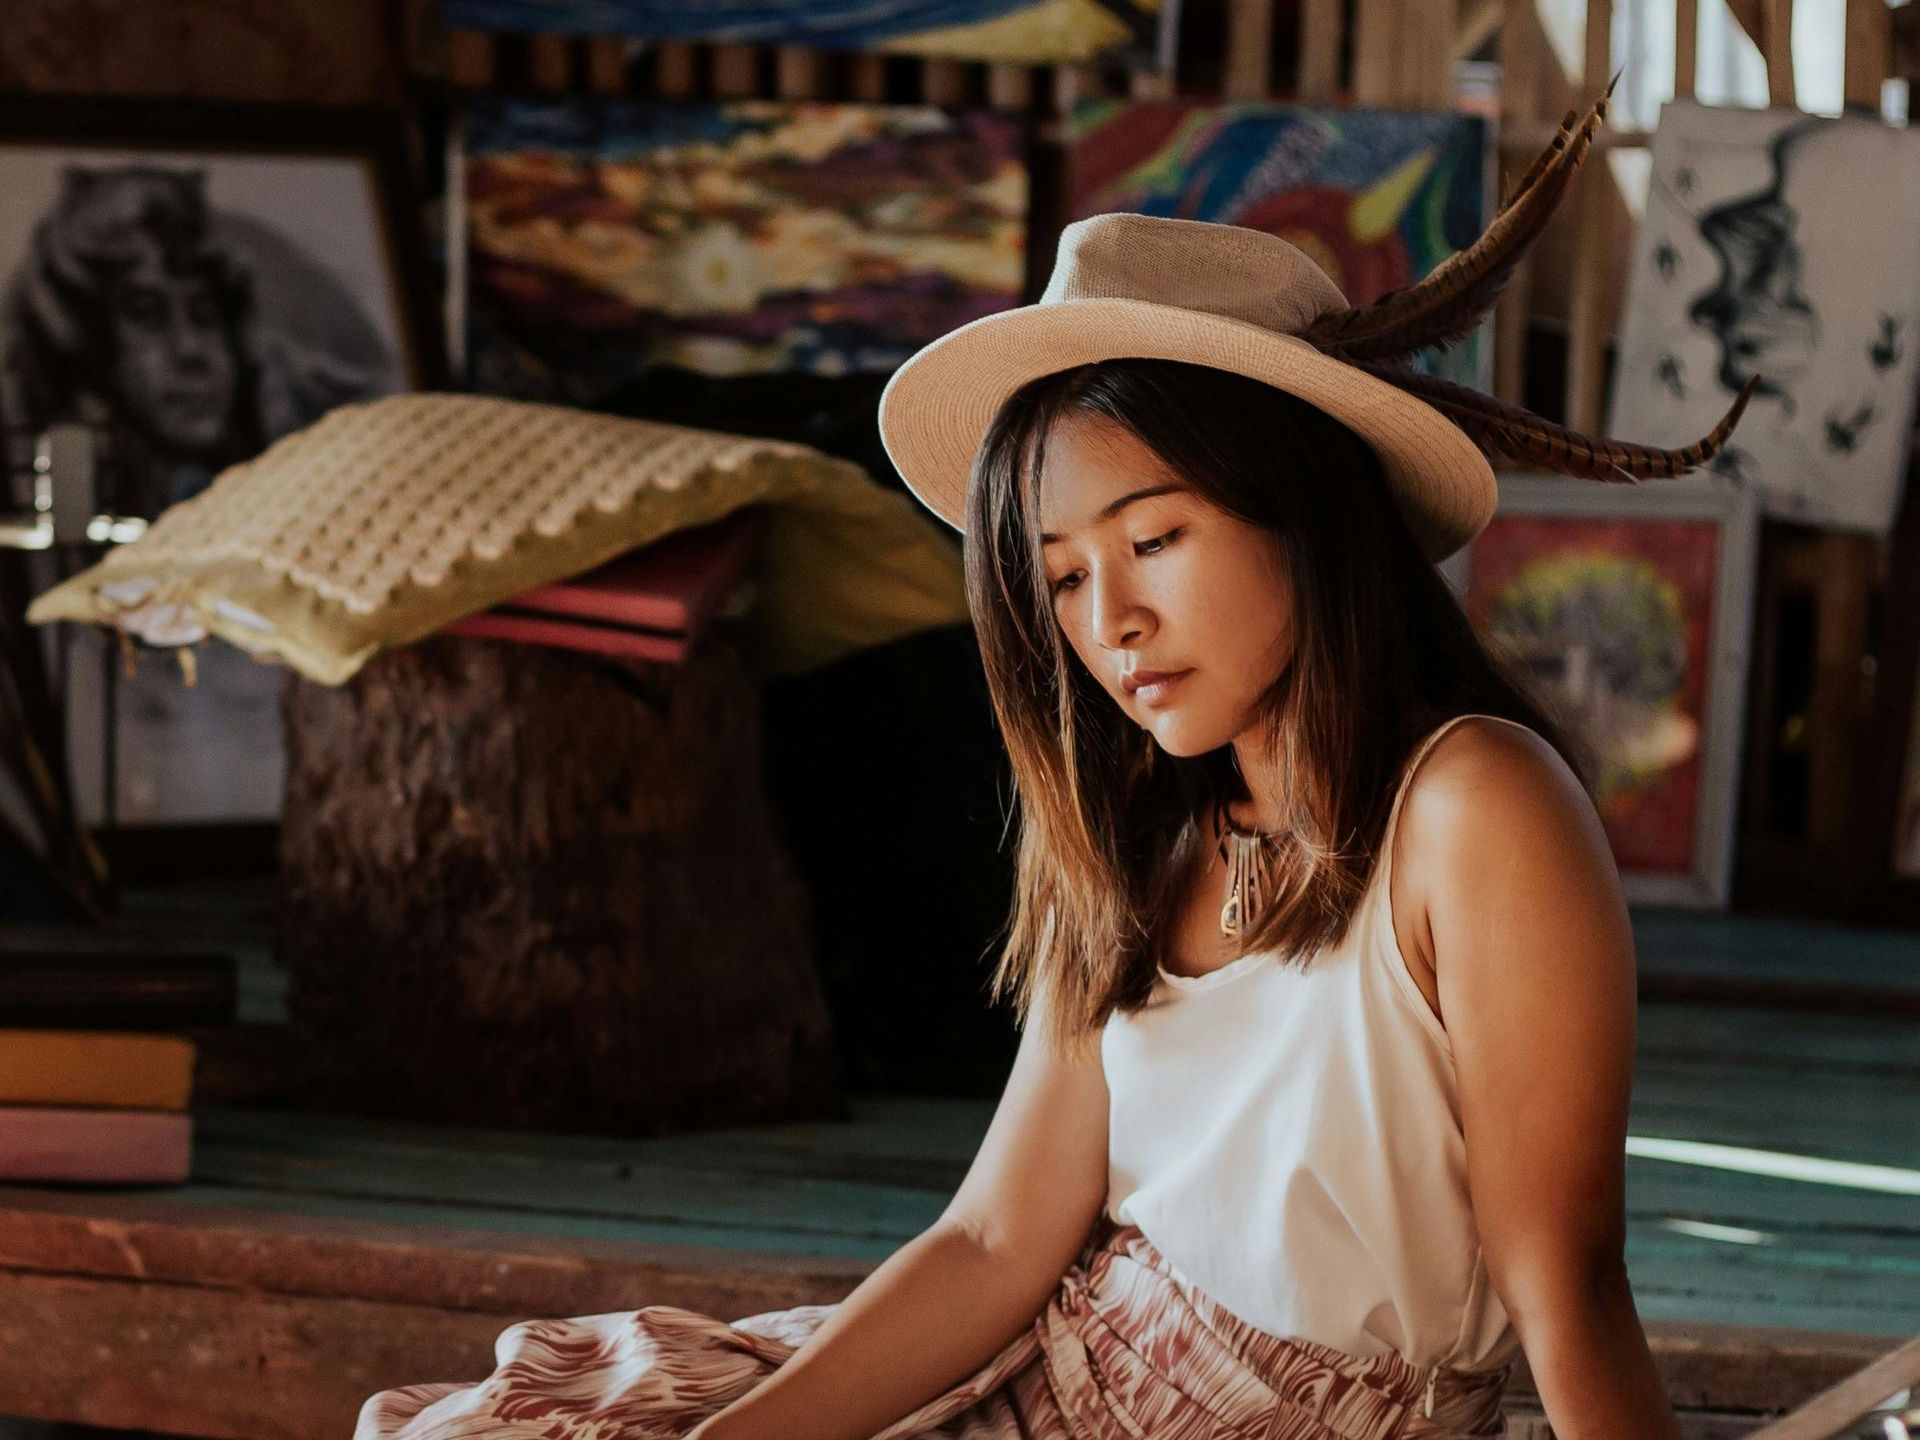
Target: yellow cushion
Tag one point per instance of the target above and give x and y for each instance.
(383, 521)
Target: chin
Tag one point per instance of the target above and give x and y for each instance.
(1184, 740)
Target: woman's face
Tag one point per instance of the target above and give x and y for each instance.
(173, 362)
(1166, 582)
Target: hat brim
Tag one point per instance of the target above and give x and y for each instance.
(936, 408)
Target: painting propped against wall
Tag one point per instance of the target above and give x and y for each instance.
(192, 282)
(1136, 33)
(1377, 198)
(1781, 245)
(1628, 609)
(605, 237)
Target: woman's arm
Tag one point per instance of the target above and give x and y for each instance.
(1533, 953)
(952, 1298)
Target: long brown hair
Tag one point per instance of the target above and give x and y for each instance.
(1382, 654)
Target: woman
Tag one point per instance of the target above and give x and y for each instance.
(1308, 893)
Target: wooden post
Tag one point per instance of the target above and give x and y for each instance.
(796, 73)
(1374, 46)
(1319, 51)
(943, 82)
(674, 72)
(1249, 62)
(1868, 24)
(1777, 23)
(1519, 105)
(1587, 304)
(549, 66)
(606, 64)
(868, 77)
(470, 59)
(1009, 87)
(1425, 48)
(1686, 47)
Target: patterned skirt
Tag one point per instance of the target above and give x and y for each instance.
(1126, 1348)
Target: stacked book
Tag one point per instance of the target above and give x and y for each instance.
(649, 604)
(95, 1081)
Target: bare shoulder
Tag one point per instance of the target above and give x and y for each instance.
(1499, 770)
(1490, 793)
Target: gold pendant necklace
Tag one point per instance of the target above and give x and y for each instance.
(1245, 895)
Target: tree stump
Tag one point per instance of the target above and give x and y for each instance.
(530, 887)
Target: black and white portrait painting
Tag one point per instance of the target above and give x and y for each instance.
(191, 306)
(1778, 245)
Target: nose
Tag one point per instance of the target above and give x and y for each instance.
(189, 340)
(1119, 620)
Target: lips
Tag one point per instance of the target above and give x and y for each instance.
(1137, 680)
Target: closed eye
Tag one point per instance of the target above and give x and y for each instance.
(1141, 547)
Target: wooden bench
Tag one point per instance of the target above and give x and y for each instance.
(315, 1259)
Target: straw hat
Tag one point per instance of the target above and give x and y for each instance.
(1250, 302)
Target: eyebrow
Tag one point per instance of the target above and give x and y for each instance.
(1112, 509)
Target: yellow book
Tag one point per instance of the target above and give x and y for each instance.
(104, 1068)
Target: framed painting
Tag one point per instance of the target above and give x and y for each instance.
(191, 282)
(1779, 245)
(599, 240)
(1377, 198)
(1138, 34)
(1628, 609)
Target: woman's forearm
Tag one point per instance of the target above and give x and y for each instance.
(1594, 1372)
(934, 1312)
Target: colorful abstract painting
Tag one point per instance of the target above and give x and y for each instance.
(1616, 622)
(1378, 198)
(1781, 246)
(603, 238)
(1019, 32)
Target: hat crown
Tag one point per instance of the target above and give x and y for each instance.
(1227, 270)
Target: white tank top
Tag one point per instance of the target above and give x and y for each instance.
(1290, 1140)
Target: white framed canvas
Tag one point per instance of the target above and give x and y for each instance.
(1780, 245)
(1628, 610)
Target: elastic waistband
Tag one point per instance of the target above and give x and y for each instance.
(1149, 1328)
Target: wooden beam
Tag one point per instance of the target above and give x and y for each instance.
(1587, 317)
(1778, 50)
(736, 71)
(674, 72)
(867, 72)
(1478, 21)
(550, 66)
(1150, 85)
(606, 64)
(470, 59)
(1752, 19)
(1519, 105)
(1838, 1408)
(1320, 23)
(1249, 61)
(943, 82)
(1009, 87)
(796, 73)
(1375, 50)
(1425, 48)
(1867, 54)
(1686, 47)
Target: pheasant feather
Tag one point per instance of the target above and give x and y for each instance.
(1508, 432)
(1448, 302)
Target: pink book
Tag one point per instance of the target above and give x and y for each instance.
(121, 1147)
(648, 604)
